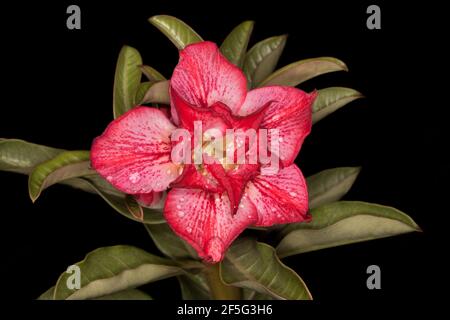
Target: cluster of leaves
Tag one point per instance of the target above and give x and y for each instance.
(253, 267)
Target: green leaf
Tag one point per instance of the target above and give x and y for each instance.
(330, 185)
(21, 156)
(151, 73)
(331, 99)
(126, 80)
(262, 58)
(194, 287)
(235, 44)
(47, 295)
(176, 30)
(300, 71)
(125, 205)
(141, 91)
(112, 269)
(66, 165)
(343, 222)
(169, 243)
(130, 294)
(158, 92)
(248, 294)
(255, 265)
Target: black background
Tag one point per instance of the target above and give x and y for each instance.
(57, 91)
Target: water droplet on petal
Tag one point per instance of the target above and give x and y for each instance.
(280, 139)
(178, 206)
(249, 216)
(279, 216)
(109, 178)
(241, 205)
(181, 199)
(180, 213)
(189, 229)
(273, 209)
(134, 177)
(168, 171)
(293, 194)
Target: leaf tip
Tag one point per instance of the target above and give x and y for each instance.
(33, 197)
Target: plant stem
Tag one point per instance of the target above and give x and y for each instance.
(219, 290)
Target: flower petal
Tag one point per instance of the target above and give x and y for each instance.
(289, 112)
(205, 221)
(280, 198)
(204, 76)
(150, 200)
(133, 153)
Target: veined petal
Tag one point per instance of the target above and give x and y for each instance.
(187, 114)
(280, 198)
(205, 220)
(289, 111)
(204, 76)
(192, 178)
(133, 153)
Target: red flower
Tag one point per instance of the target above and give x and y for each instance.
(211, 203)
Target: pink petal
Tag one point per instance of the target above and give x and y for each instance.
(188, 114)
(133, 153)
(205, 221)
(150, 200)
(289, 112)
(192, 178)
(280, 198)
(203, 77)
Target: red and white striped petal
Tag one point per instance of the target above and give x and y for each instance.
(280, 198)
(204, 76)
(133, 153)
(289, 111)
(205, 220)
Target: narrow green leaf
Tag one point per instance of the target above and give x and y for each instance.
(130, 294)
(330, 185)
(151, 73)
(300, 71)
(158, 92)
(262, 58)
(125, 205)
(141, 91)
(126, 80)
(235, 44)
(194, 287)
(343, 222)
(176, 30)
(21, 156)
(331, 99)
(169, 243)
(66, 165)
(112, 269)
(255, 265)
